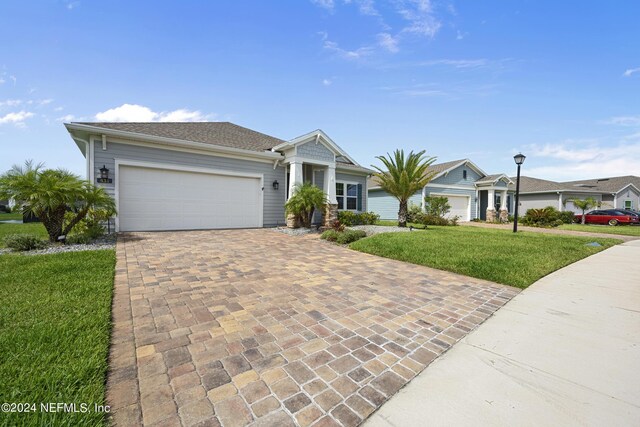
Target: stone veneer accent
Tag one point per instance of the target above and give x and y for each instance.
(491, 215)
(330, 214)
(504, 215)
(292, 221)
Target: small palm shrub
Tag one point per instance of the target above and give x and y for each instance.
(330, 235)
(567, 217)
(24, 242)
(349, 218)
(305, 200)
(437, 205)
(545, 217)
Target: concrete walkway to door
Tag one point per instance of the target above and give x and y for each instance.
(564, 352)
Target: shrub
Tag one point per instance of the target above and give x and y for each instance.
(546, 217)
(349, 218)
(414, 213)
(78, 239)
(433, 220)
(337, 226)
(437, 205)
(349, 236)
(567, 217)
(24, 242)
(330, 235)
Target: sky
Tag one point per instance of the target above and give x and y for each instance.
(557, 81)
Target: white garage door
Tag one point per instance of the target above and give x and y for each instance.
(459, 207)
(162, 199)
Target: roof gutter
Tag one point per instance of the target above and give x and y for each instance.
(170, 141)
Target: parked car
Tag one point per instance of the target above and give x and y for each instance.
(611, 217)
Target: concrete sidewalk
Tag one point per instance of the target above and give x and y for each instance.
(564, 352)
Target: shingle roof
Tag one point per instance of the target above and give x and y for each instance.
(490, 178)
(223, 134)
(604, 185)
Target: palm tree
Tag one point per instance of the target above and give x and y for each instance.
(305, 200)
(584, 204)
(50, 193)
(403, 177)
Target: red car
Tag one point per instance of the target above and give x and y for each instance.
(610, 216)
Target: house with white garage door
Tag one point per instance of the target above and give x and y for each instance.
(206, 175)
(472, 193)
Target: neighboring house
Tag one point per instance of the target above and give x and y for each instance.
(472, 193)
(622, 192)
(184, 176)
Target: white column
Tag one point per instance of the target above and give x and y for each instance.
(491, 200)
(424, 194)
(503, 200)
(295, 175)
(330, 185)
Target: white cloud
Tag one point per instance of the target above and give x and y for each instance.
(66, 119)
(2, 81)
(140, 113)
(460, 35)
(327, 82)
(624, 121)
(420, 16)
(367, 7)
(44, 101)
(58, 109)
(458, 63)
(17, 119)
(583, 159)
(325, 4)
(347, 54)
(631, 71)
(72, 5)
(388, 42)
(13, 79)
(10, 102)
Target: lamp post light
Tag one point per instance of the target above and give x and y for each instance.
(519, 159)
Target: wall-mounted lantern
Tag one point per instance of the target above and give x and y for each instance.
(276, 185)
(104, 175)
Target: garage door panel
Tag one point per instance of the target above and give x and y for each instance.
(161, 199)
(459, 207)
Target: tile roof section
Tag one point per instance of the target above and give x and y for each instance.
(223, 134)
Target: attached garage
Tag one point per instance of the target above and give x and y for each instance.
(459, 207)
(164, 197)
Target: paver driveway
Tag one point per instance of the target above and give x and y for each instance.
(254, 326)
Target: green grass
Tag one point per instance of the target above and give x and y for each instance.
(625, 230)
(55, 321)
(6, 216)
(391, 223)
(496, 255)
(29, 228)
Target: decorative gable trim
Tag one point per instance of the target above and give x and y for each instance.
(320, 138)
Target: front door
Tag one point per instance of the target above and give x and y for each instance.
(484, 202)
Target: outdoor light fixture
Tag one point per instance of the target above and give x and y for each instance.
(519, 159)
(276, 185)
(104, 175)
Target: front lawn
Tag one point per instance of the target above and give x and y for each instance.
(394, 223)
(29, 228)
(496, 255)
(625, 230)
(55, 320)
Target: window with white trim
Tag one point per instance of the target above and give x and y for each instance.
(628, 204)
(347, 196)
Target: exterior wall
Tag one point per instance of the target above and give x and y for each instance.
(537, 201)
(360, 179)
(500, 184)
(311, 150)
(385, 205)
(628, 194)
(273, 209)
(568, 205)
(455, 177)
(471, 193)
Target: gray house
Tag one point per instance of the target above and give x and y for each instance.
(472, 193)
(622, 192)
(184, 176)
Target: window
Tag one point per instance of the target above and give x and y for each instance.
(627, 204)
(464, 174)
(347, 196)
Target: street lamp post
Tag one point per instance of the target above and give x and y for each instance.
(519, 159)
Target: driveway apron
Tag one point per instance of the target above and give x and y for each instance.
(239, 327)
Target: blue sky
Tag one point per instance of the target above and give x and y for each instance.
(559, 81)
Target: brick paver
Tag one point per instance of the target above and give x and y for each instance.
(256, 327)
